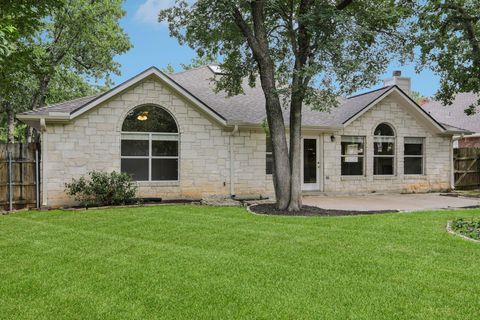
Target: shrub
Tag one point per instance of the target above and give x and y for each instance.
(102, 189)
(467, 228)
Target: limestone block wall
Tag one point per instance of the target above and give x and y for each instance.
(92, 142)
(437, 154)
(249, 154)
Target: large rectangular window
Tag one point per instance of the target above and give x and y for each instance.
(150, 156)
(414, 155)
(383, 155)
(353, 154)
(268, 156)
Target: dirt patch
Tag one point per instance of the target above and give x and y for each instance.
(270, 209)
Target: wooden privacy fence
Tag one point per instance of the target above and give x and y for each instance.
(19, 176)
(467, 168)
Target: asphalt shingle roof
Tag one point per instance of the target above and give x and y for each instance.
(64, 107)
(250, 106)
(454, 114)
(246, 108)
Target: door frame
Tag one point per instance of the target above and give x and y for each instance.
(317, 185)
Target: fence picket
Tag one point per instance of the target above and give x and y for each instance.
(23, 170)
(467, 168)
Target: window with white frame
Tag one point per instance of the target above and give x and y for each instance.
(384, 150)
(150, 144)
(353, 154)
(414, 155)
(268, 155)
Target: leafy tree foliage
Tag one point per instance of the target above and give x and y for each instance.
(21, 18)
(448, 34)
(299, 51)
(72, 44)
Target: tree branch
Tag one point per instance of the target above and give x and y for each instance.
(343, 4)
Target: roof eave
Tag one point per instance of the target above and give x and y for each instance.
(304, 127)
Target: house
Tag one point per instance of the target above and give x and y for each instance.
(455, 115)
(180, 139)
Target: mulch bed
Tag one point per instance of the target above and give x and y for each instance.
(270, 209)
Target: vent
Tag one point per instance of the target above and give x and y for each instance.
(216, 69)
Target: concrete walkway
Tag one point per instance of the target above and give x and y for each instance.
(402, 202)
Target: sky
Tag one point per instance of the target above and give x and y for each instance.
(152, 46)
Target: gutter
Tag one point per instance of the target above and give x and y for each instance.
(232, 162)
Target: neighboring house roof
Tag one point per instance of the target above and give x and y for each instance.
(454, 114)
(244, 109)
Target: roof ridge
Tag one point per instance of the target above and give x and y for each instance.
(192, 69)
(368, 92)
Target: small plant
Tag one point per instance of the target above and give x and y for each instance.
(102, 189)
(468, 228)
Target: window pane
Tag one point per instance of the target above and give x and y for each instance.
(164, 169)
(269, 144)
(134, 147)
(269, 163)
(352, 166)
(413, 149)
(352, 148)
(384, 129)
(164, 148)
(383, 166)
(413, 146)
(413, 165)
(149, 119)
(309, 160)
(136, 168)
(383, 148)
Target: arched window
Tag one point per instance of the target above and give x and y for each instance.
(384, 150)
(149, 147)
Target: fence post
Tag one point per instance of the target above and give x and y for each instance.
(10, 187)
(37, 180)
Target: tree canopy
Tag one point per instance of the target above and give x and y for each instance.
(448, 35)
(303, 52)
(59, 51)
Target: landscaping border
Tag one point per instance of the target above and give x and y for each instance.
(315, 212)
(451, 231)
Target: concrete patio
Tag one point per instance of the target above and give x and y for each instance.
(401, 202)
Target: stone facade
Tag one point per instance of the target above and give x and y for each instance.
(438, 155)
(92, 142)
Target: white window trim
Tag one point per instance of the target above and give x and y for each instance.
(394, 155)
(360, 156)
(166, 136)
(415, 156)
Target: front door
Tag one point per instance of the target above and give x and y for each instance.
(311, 163)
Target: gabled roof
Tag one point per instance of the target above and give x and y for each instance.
(245, 109)
(71, 109)
(454, 114)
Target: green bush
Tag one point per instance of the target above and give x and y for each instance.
(467, 228)
(102, 189)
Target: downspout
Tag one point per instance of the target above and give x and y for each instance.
(43, 137)
(232, 162)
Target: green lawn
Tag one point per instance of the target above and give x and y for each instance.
(195, 262)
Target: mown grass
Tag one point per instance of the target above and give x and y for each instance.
(196, 262)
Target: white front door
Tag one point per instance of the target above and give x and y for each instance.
(311, 163)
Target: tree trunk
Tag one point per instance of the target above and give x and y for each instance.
(295, 203)
(10, 123)
(276, 124)
(38, 101)
(258, 43)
